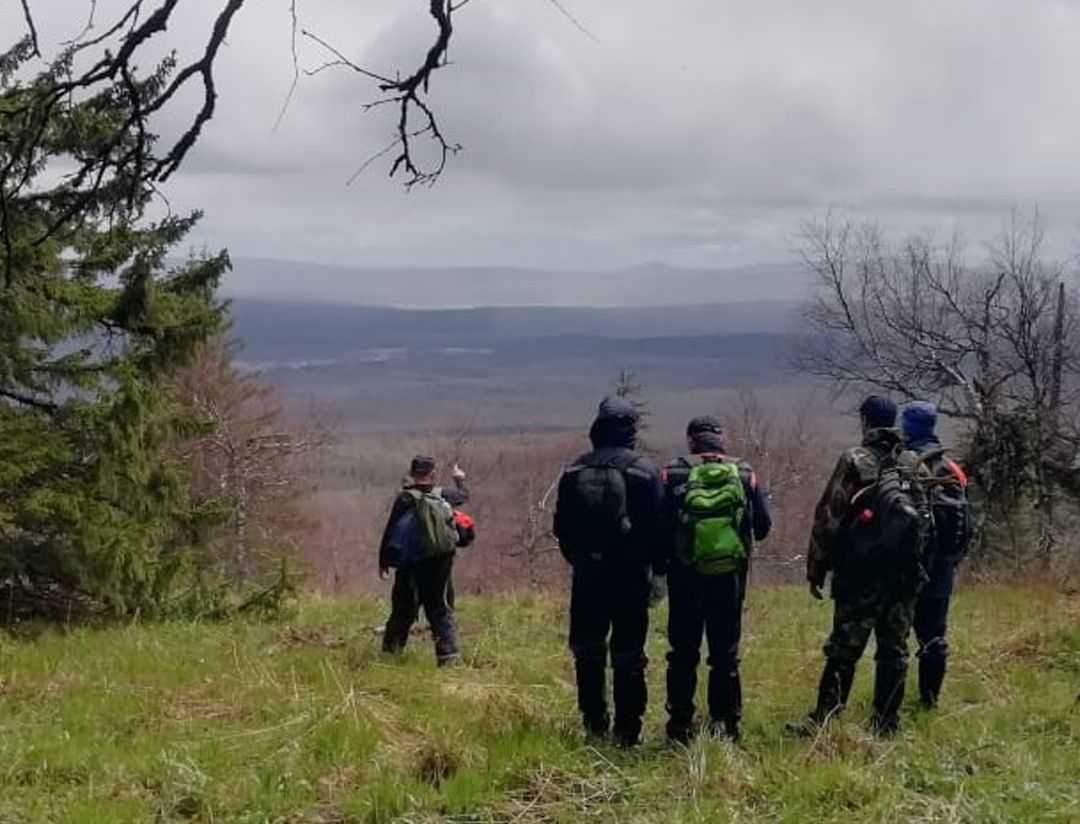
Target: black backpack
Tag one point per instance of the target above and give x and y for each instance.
(593, 503)
(946, 486)
(890, 522)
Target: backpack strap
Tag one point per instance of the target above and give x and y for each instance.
(957, 471)
(933, 461)
(868, 464)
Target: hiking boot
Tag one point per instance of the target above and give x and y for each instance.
(596, 727)
(726, 728)
(806, 728)
(679, 733)
(725, 703)
(931, 675)
(627, 730)
(888, 696)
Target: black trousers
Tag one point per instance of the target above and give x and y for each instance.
(709, 605)
(609, 611)
(424, 584)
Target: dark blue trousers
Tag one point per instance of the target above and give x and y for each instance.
(710, 606)
(932, 612)
(424, 584)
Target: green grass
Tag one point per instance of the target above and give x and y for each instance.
(304, 720)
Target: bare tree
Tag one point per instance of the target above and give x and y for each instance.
(628, 386)
(996, 345)
(784, 448)
(247, 463)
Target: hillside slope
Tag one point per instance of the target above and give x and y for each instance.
(305, 721)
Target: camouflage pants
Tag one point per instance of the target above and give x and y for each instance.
(888, 618)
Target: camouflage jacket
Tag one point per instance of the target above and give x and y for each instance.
(857, 468)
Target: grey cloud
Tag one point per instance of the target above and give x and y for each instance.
(696, 132)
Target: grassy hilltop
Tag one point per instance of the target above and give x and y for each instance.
(303, 720)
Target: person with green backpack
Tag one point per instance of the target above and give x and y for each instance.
(419, 543)
(715, 512)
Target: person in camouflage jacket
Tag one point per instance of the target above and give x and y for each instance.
(867, 598)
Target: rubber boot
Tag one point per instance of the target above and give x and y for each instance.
(833, 691)
(888, 696)
(931, 675)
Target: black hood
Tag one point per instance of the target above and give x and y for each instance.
(615, 425)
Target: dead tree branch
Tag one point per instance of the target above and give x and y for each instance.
(416, 119)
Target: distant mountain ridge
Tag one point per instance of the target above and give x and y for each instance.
(647, 284)
(526, 367)
(284, 331)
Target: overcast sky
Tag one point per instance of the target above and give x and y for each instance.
(693, 132)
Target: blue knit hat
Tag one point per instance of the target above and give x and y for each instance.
(918, 420)
(879, 412)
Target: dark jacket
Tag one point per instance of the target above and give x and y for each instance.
(857, 468)
(758, 520)
(940, 570)
(614, 436)
(456, 496)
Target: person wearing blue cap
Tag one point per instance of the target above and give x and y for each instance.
(951, 510)
(870, 594)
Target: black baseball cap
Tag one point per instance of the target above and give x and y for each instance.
(704, 424)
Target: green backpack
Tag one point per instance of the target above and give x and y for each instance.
(711, 516)
(435, 519)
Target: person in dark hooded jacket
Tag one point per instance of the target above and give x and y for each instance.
(703, 603)
(608, 520)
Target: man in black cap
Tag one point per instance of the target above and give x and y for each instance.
(715, 510)
(419, 542)
(871, 593)
(608, 523)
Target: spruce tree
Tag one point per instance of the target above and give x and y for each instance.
(93, 318)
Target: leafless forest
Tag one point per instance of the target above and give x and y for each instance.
(511, 474)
